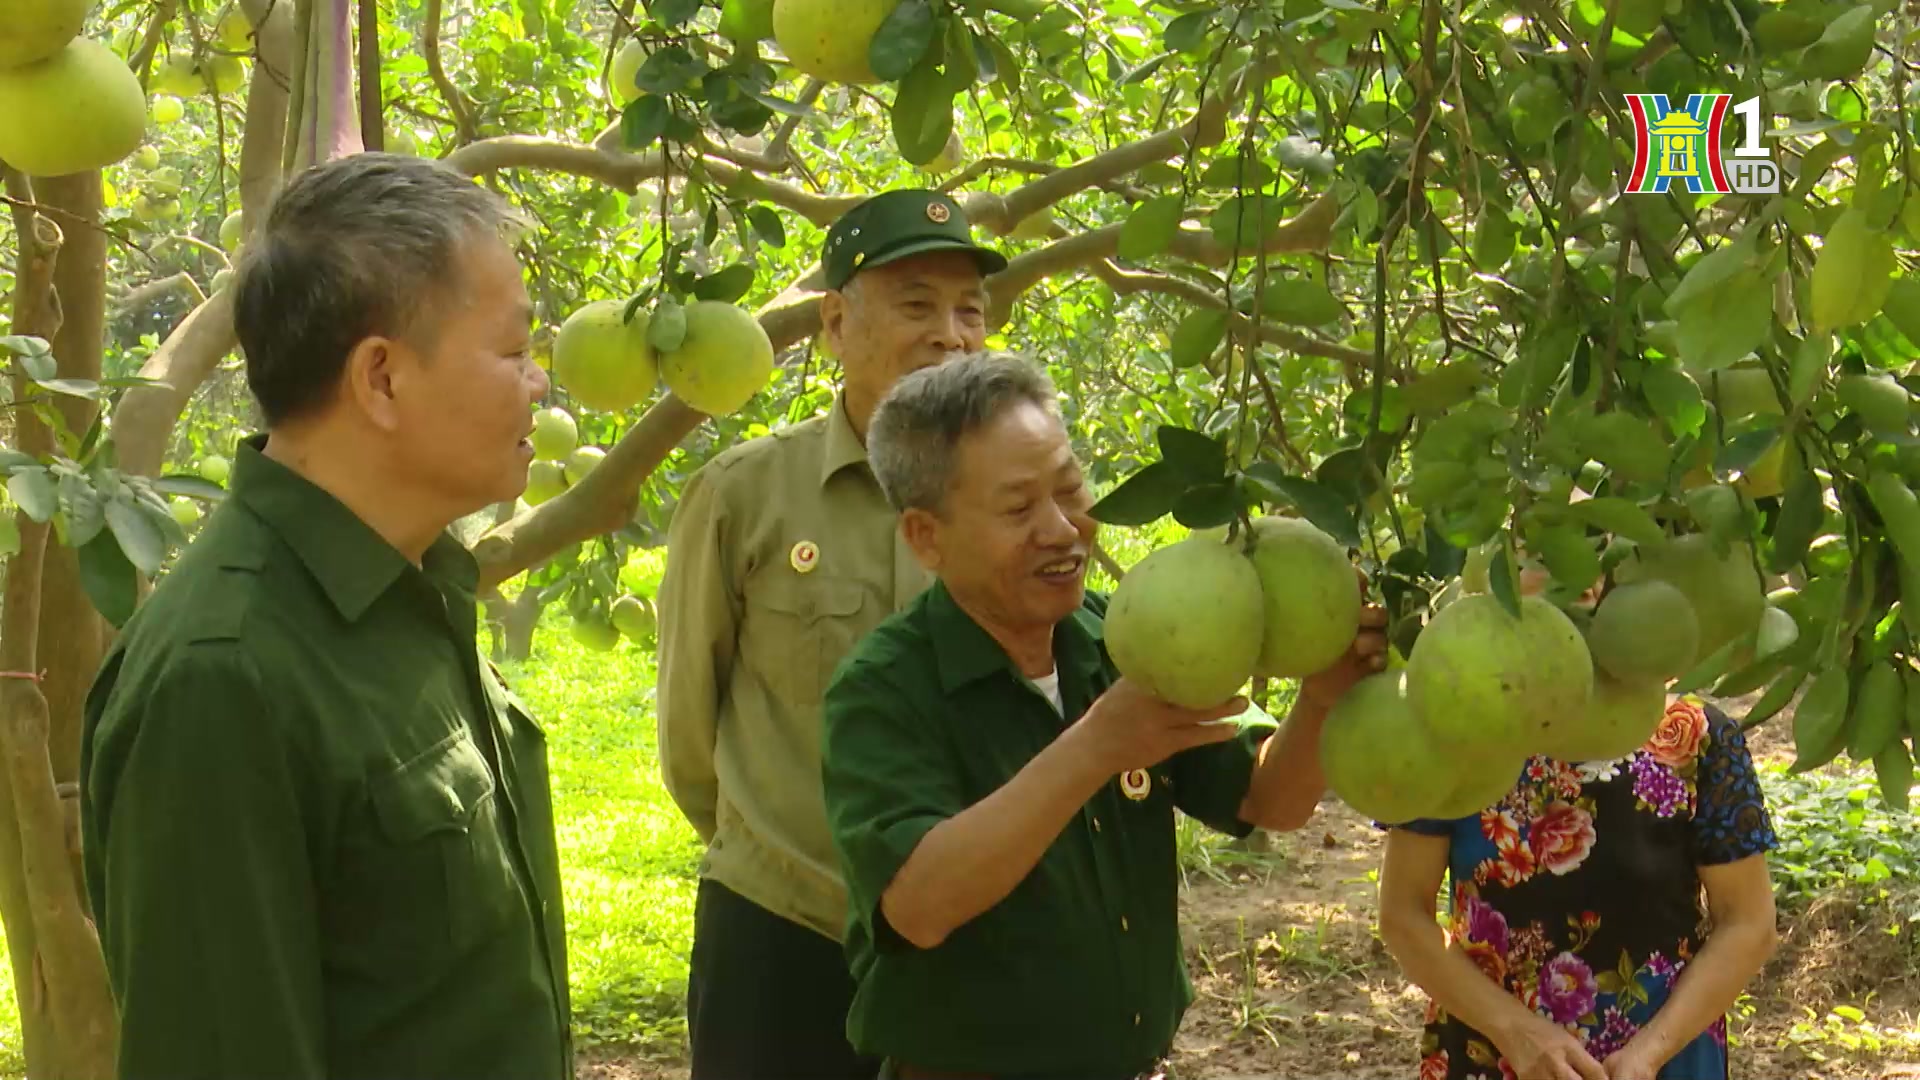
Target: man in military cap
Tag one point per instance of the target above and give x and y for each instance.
(782, 554)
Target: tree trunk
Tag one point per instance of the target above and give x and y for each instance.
(66, 1008)
(72, 634)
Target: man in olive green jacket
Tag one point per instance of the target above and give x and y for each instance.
(319, 839)
(782, 553)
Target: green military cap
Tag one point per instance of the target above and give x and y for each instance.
(896, 224)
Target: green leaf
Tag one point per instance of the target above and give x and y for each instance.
(1739, 452)
(1439, 390)
(1325, 509)
(1151, 228)
(1627, 445)
(643, 120)
(139, 538)
(1242, 222)
(110, 581)
(1801, 511)
(1726, 324)
(1299, 301)
(1197, 457)
(672, 70)
(1188, 31)
(922, 114)
(1676, 398)
(25, 346)
(1142, 498)
(1619, 517)
(667, 328)
(1571, 559)
(1207, 506)
(35, 492)
(673, 14)
(767, 225)
(1504, 580)
(191, 486)
(725, 285)
(1197, 336)
(80, 388)
(902, 40)
(14, 459)
(1235, 173)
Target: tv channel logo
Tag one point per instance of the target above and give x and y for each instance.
(1684, 145)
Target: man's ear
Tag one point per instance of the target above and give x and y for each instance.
(368, 381)
(921, 531)
(833, 319)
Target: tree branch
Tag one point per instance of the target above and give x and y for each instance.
(1126, 283)
(150, 42)
(430, 44)
(153, 290)
(147, 413)
(983, 166)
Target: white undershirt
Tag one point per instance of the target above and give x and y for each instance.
(1049, 684)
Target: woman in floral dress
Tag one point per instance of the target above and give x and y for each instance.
(1579, 943)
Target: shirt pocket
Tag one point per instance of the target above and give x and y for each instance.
(797, 630)
(438, 818)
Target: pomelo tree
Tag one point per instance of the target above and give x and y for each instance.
(1381, 267)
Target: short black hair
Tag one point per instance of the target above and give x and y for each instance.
(357, 246)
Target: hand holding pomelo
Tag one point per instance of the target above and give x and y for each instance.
(1132, 727)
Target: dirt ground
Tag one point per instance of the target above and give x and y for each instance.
(1292, 980)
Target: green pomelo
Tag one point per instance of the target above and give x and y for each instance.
(603, 363)
(1644, 633)
(545, 479)
(79, 110)
(1311, 595)
(746, 20)
(231, 231)
(725, 359)
(1741, 392)
(33, 30)
(1778, 631)
(829, 39)
(634, 618)
(626, 65)
(184, 511)
(167, 109)
(596, 633)
(1618, 719)
(1377, 755)
(581, 462)
(1185, 623)
(1479, 783)
(1725, 593)
(1485, 682)
(216, 469)
(1880, 402)
(555, 435)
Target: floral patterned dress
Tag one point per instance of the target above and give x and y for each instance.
(1579, 893)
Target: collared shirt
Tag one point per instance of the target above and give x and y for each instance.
(318, 835)
(782, 553)
(1079, 972)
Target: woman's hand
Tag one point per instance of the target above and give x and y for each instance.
(1541, 1050)
(1631, 1063)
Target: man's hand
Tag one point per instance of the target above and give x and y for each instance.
(1132, 729)
(1366, 656)
(1540, 1050)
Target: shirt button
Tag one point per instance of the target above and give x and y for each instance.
(1096, 824)
(1123, 924)
(1136, 1019)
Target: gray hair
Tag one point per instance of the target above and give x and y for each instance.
(361, 245)
(917, 428)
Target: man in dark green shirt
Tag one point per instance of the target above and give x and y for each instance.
(1002, 800)
(319, 838)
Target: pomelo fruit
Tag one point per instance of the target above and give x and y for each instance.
(216, 468)
(581, 462)
(545, 479)
(167, 109)
(555, 435)
(829, 39)
(185, 511)
(1186, 623)
(626, 64)
(603, 363)
(1725, 592)
(725, 359)
(949, 157)
(1644, 632)
(146, 157)
(1034, 227)
(1310, 593)
(1479, 783)
(78, 110)
(33, 30)
(1778, 631)
(634, 618)
(1484, 681)
(1377, 755)
(220, 281)
(234, 31)
(1618, 719)
(1741, 392)
(744, 21)
(231, 231)
(177, 76)
(596, 632)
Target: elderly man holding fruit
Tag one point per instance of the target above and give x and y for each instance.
(1001, 780)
